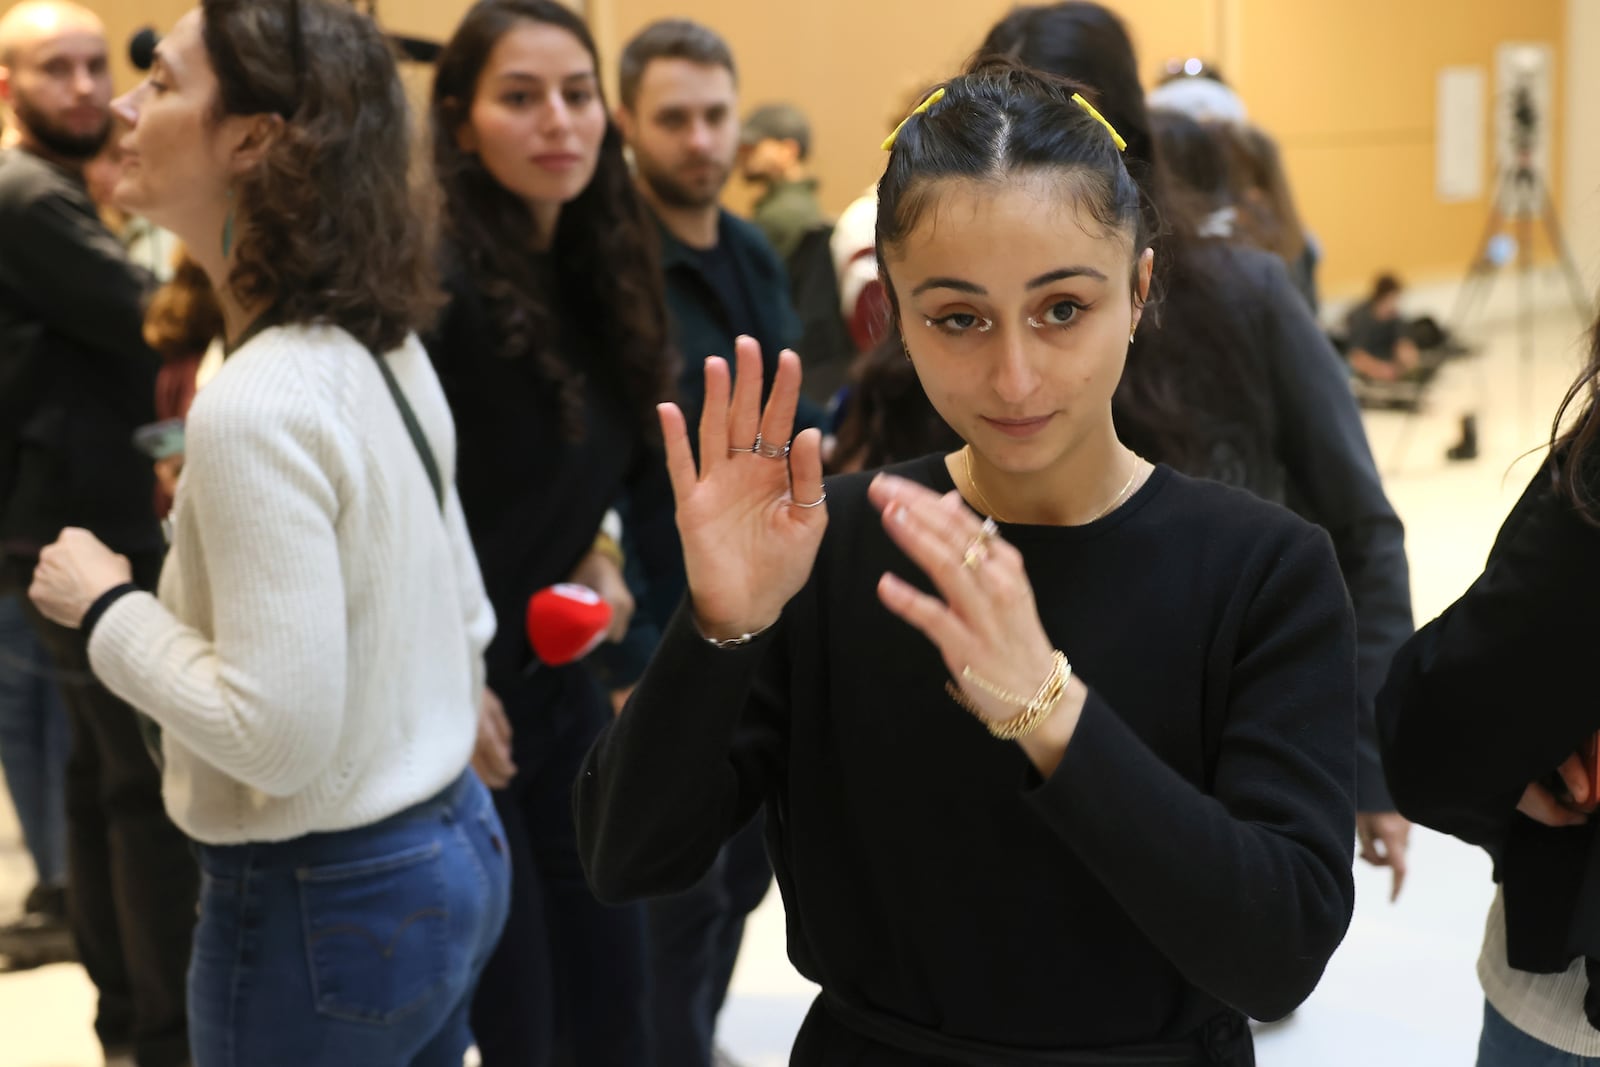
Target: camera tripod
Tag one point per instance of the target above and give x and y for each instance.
(1521, 199)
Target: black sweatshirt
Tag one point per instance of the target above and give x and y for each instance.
(1324, 471)
(1191, 853)
(534, 500)
(76, 378)
(1492, 695)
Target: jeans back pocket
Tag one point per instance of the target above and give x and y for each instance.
(377, 934)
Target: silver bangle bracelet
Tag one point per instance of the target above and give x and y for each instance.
(732, 642)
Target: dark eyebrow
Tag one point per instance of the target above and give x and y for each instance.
(1065, 273)
(566, 79)
(950, 283)
(961, 286)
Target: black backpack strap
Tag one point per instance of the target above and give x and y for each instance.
(414, 428)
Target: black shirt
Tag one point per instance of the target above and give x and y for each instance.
(721, 272)
(76, 378)
(1494, 694)
(534, 500)
(1374, 336)
(1190, 856)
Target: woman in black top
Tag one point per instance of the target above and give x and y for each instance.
(1480, 706)
(553, 353)
(1166, 847)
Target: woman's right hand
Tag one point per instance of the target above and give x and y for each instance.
(491, 756)
(1542, 806)
(748, 545)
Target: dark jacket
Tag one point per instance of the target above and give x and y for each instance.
(703, 324)
(1321, 467)
(1494, 694)
(76, 377)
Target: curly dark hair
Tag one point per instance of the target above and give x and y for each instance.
(605, 240)
(330, 227)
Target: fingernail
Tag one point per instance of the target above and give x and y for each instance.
(898, 514)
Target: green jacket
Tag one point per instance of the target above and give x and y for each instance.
(785, 214)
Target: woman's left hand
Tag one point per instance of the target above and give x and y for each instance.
(600, 572)
(987, 620)
(73, 573)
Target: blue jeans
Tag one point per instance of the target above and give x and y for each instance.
(1503, 1045)
(355, 948)
(33, 742)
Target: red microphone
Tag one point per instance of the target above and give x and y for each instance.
(566, 622)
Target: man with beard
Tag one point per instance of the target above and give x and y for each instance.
(76, 379)
(678, 111)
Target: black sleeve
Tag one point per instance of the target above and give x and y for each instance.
(688, 762)
(653, 567)
(1494, 693)
(1329, 462)
(57, 255)
(1246, 888)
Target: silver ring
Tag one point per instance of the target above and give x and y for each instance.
(749, 451)
(768, 453)
(817, 503)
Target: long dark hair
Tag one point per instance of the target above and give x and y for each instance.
(605, 241)
(1577, 448)
(1190, 396)
(330, 227)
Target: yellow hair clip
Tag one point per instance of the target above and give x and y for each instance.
(933, 98)
(1077, 98)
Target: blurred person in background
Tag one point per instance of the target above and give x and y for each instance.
(1267, 216)
(774, 150)
(184, 324)
(1379, 348)
(553, 352)
(76, 380)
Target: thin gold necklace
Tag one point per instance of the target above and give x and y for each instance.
(966, 456)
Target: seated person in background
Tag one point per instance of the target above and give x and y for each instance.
(775, 142)
(1379, 349)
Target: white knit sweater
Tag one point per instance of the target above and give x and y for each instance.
(315, 657)
(1548, 1007)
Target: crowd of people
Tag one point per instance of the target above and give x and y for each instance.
(1001, 566)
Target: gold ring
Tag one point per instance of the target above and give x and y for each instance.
(978, 548)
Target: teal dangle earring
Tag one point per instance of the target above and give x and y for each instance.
(227, 228)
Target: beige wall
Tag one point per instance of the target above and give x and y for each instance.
(1346, 85)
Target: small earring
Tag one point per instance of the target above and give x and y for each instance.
(1130, 336)
(906, 349)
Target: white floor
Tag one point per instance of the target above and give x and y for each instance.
(1401, 990)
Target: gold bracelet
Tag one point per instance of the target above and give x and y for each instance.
(606, 545)
(1034, 712)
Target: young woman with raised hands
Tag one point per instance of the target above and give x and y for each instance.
(1056, 747)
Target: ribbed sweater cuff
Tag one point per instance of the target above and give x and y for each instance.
(97, 610)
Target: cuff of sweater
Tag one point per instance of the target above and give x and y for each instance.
(102, 604)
